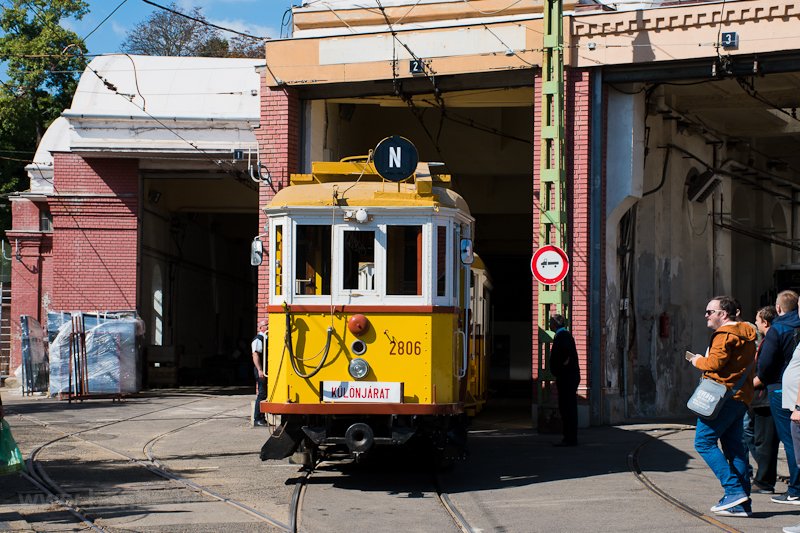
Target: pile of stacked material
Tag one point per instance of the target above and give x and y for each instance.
(93, 354)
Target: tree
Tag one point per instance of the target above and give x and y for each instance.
(43, 61)
(241, 46)
(168, 33)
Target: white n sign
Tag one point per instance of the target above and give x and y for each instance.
(394, 156)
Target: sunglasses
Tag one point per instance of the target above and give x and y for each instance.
(710, 312)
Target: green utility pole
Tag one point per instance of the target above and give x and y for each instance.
(553, 226)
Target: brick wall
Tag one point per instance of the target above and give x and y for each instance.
(535, 205)
(577, 158)
(279, 148)
(30, 265)
(578, 142)
(95, 233)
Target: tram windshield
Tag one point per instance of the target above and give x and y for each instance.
(395, 261)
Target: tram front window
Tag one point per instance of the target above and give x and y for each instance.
(404, 260)
(313, 260)
(358, 263)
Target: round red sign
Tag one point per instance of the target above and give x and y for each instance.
(550, 265)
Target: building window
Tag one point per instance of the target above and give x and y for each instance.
(45, 220)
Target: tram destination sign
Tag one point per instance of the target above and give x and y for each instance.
(395, 158)
(550, 265)
(362, 391)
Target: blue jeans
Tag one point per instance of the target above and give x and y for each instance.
(783, 425)
(748, 441)
(730, 463)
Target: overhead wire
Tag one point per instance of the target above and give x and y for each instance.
(429, 73)
(204, 22)
(236, 173)
(103, 21)
(512, 4)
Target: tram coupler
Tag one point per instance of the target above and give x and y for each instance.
(315, 434)
(283, 442)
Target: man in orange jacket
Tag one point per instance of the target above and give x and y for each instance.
(729, 361)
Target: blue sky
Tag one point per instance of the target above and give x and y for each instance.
(256, 17)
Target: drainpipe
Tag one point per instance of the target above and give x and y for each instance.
(595, 250)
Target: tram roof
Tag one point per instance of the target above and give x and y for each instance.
(370, 193)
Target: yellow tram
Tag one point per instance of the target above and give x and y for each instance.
(379, 313)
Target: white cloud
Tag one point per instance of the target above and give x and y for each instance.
(118, 28)
(243, 26)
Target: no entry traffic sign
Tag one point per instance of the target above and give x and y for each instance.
(549, 264)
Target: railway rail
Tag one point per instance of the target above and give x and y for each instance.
(317, 491)
(446, 503)
(633, 464)
(39, 477)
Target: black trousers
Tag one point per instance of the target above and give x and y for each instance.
(765, 447)
(568, 408)
(261, 395)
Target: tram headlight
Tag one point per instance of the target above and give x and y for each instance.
(358, 368)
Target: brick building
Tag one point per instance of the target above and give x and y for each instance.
(141, 199)
(681, 163)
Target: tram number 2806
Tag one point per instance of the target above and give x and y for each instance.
(405, 348)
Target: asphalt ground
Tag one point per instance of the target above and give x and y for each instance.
(513, 480)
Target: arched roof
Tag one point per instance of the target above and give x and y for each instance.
(139, 105)
(187, 87)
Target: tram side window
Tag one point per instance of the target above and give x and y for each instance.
(313, 260)
(358, 261)
(279, 259)
(441, 260)
(404, 260)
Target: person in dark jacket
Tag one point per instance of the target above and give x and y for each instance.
(763, 443)
(564, 366)
(774, 355)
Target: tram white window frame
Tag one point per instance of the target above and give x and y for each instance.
(287, 259)
(323, 220)
(358, 295)
(425, 261)
(448, 218)
(447, 297)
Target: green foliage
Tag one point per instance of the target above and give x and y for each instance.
(42, 60)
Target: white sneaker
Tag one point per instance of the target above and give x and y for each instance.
(792, 529)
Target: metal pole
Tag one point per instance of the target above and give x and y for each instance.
(553, 221)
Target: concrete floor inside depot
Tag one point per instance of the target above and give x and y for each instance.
(513, 480)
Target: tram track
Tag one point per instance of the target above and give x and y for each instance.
(443, 498)
(455, 513)
(296, 503)
(633, 465)
(38, 476)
